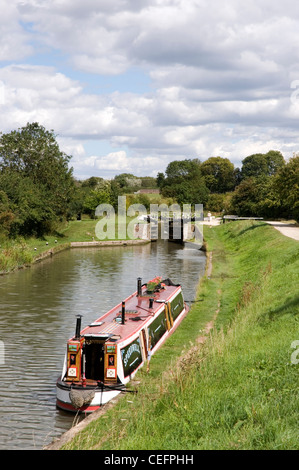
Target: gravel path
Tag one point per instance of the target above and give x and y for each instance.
(289, 230)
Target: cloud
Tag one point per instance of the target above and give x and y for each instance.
(13, 39)
(115, 163)
(220, 78)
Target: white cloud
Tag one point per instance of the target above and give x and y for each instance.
(220, 76)
(117, 162)
(14, 42)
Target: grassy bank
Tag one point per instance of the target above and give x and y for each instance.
(238, 390)
(15, 254)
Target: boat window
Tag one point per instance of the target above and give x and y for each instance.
(111, 360)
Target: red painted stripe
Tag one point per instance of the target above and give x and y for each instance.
(69, 407)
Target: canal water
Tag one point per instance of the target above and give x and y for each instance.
(38, 306)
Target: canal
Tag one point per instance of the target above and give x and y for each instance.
(37, 316)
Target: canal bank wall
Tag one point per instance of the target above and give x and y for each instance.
(91, 244)
(109, 243)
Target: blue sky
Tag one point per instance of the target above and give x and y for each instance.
(130, 85)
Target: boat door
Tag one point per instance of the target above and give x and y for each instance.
(94, 351)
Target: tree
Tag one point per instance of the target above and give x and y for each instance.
(160, 180)
(35, 176)
(286, 184)
(237, 176)
(219, 174)
(148, 182)
(92, 182)
(185, 183)
(128, 182)
(6, 214)
(275, 161)
(256, 197)
(179, 170)
(245, 198)
(100, 195)
(261, 164)
(215, 202)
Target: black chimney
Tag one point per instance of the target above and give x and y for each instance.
(123, 312)
(78, 327)
(139, 286)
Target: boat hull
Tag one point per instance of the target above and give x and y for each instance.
(101, 396)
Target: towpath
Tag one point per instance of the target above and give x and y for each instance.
(212, 221)
(288, 229)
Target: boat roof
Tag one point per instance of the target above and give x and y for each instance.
(137, 313)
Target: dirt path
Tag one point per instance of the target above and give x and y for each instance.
(289, 230)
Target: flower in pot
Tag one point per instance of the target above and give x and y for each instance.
(153, 284)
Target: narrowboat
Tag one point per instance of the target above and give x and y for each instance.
(104, 356)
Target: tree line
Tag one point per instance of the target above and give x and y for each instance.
(265, 185)
(38, 190)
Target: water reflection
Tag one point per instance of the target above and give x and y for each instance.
(37, 316)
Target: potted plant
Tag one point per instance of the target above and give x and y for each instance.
(153, 284)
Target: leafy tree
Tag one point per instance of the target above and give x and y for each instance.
(219, 174)
(94, 199)
(256, 197)
(128, 183)
(286, 184)
(139, 199)
(6, 214)
(261, 164)
(160, 180)
(185, 183)
(245, 198)
(100, 195)
(275, 161)
(148, 182)
(254, 166)
(237, 176)
(178, 171)
(215, 202)
(115, 191)
(92, 182)
(35, 176)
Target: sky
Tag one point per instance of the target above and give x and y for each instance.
(130, 85)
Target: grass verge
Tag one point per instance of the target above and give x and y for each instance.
(15, 254)
(238, 390)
